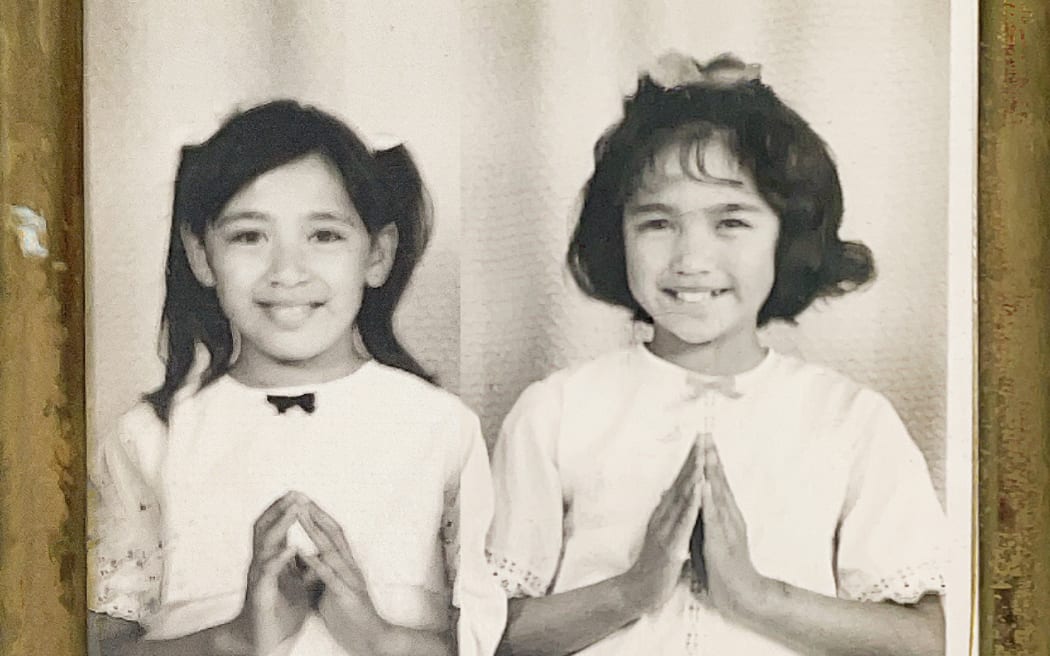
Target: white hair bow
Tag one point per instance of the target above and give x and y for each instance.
(674, 70)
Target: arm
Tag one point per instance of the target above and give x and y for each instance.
(567, 622)
(836, 627)
(395, 640)
(118, 637)
(478, 609)
(275, 604)
(802, 618)
(346, 607)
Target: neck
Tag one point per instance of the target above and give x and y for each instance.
(723, 357)
(257, 370)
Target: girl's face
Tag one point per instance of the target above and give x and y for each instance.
(700, 254)
(289, 257)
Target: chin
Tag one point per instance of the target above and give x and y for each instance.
(697, 340)
(292, 354)
(692, 335)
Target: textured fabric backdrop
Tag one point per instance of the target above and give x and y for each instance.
(502, 102)
(545, 79)
(159, 74)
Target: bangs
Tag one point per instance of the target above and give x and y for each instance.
(700, 151)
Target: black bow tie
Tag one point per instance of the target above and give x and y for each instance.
(305, 401)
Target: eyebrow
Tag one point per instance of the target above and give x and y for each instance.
(663, 208)
(223, 219)
(330, 216)
(726, 208)
(250, 215)
(650, 207)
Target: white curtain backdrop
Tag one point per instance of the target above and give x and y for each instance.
(502, 101)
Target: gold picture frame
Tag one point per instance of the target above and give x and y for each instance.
(42, 334)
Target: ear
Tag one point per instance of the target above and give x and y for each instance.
(381, 255)
(197, 256)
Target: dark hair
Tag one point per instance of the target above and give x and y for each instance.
(385, 187)
(790, 164)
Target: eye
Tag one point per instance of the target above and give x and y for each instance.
(652, 224)
(327, 236)
(247, 237)
(732, 223)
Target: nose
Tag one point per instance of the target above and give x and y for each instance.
(695, 251)
(286, 265)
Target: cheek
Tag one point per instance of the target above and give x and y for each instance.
(644, 259)
(342, 271)
(235, 279)
(761, 266)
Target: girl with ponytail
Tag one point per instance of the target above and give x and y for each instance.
(305, 489)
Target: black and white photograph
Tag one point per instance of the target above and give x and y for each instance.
(545, 327)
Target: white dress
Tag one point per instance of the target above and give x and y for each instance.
(836, 496)
(400, 464)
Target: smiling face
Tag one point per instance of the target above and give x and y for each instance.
(700, 250)
(289, 257)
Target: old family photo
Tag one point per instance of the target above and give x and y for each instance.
(528, 328)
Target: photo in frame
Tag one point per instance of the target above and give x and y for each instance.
(566, 353)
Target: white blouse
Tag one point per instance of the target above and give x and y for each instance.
(836, 496)
(400, 464)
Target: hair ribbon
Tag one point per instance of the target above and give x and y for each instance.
(673, 70)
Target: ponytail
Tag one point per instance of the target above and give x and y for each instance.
(407, 207)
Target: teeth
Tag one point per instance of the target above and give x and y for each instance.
(289, 313)
(696, 297)
(693, 297)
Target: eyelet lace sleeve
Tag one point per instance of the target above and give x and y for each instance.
(525, 542)
(907, 585)
(124, 539)
(465, 520)
(892, 531)
(515, 580)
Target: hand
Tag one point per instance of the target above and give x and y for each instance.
(277, 600)
(345, 605)
(653, 577)
(733, 584)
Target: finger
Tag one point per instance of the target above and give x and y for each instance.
(321, 531)
(275, 538)
(273, 567)
(714, 466)
(681, 481)
(321, 538)
(707, 503)
(686, 503)
(728, 507)
(685, 472)
(340, 558)
(687, 519)
(328, 524)
(715, 476)
(327, 574)
(274, 512)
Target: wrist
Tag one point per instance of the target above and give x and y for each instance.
(380, 637)
(234, 637)
(767, 596)
(631, 593)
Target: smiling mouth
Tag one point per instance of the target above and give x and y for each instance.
(695, 295)
(289, 315)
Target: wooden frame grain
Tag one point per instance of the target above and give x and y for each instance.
(1013, 399)
(42, 430)
(42, 427)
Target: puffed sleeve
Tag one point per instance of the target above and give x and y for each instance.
(124, 539)
(482, 607)
(892, 531)
(525, 542)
